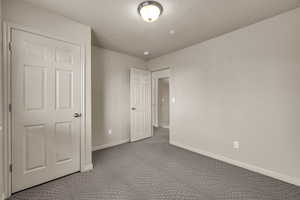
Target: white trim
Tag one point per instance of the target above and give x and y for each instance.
(7, 28)
(139, 139)
(83, 164)
(266, 172)
(6, 116)
(112, 144)
(88, 168)
(165, 73)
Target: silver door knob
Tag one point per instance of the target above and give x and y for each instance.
(76, 115)
(133, 108)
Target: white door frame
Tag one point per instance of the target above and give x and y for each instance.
(7, 123)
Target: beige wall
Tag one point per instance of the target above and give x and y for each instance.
(163, 102)
(1, 122)
(243, 86)
(111, 102)
(41, 20)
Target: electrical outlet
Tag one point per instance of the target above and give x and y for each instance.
(109, 131)
(236, 145)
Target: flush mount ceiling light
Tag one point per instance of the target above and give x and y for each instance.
(150, 10)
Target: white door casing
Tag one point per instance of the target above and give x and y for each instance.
(46, 92)
(140, 100)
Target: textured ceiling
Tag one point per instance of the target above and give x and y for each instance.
(117, 26)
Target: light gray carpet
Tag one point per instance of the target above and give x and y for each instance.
(153, 169)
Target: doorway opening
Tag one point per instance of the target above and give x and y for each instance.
(150, 104)
(161, 103)
(163, 109)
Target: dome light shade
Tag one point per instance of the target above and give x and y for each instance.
(150, 10)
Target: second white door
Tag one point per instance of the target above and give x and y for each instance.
(140, 95)
(46, 104)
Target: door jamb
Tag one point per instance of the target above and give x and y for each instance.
(7, 115)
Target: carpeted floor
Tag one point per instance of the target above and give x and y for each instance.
(153, 169)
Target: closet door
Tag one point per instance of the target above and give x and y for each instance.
(46, 90)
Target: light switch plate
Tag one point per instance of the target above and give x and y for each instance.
(236, 145)
(173, 100)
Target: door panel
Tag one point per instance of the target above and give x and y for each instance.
(63, 139)
(46, 92)
(34, 87)
(64, 81)
(140, 87)
(35, 148)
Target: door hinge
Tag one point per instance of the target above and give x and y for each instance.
(10, 168)
(10, 46)
(9, 108)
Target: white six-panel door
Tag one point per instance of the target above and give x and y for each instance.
(46, 93)
(140, 95)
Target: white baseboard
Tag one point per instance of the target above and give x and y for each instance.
(88, 167)
(276, 175)
(164, 126)
(104, 146)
